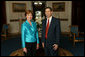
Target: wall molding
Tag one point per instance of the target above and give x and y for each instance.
(62, 19)
(15, 20)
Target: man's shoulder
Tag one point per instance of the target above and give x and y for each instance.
(55, 19)
(43, 20)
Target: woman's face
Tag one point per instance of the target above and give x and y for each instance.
(29, 16)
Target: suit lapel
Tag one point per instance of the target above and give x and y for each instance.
(50, 25)
(45, 23)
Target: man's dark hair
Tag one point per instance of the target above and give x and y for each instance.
(48, 8)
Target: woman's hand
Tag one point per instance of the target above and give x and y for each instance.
(25, 50)
(37, 46)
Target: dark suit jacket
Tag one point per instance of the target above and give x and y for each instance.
(53, 32)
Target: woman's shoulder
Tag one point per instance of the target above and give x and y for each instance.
(24, 23)
(34, 22)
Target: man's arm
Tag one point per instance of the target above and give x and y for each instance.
(56, 45)
(42, 31)
(58, 30)
(42, 40)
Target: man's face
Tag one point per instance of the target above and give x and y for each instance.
(48, 13)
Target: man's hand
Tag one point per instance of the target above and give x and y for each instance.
(25, 50)
(37, 46)
(43, 44)
(55, 46)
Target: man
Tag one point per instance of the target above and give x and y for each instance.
(50, 33)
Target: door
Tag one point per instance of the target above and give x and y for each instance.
(77, 14)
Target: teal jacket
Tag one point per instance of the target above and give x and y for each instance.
(29, 33)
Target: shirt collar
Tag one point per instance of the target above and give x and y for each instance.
(50, 18)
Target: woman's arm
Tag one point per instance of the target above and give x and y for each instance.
(37, 47)
(23, 35)
(37, 35)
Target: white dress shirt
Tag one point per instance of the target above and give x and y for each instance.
(49, 20)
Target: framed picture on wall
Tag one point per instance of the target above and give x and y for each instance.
(19, 7)
(58, 7)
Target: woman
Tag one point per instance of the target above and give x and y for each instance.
(29, 34)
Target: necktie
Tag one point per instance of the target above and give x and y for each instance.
(47, 27)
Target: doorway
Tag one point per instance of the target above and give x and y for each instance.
(3, 13)
(77, 14)
(39, 14)
(38, 9)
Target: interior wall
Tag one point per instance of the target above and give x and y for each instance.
(14, 26)
(63, 15)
